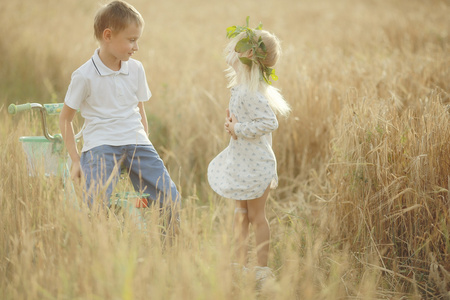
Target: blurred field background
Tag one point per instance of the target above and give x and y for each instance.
(362, 210)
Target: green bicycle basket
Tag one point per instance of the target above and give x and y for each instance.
(43, 156)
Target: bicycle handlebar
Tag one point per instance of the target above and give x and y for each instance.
(44, 109)
(13, 109)
(51, 109)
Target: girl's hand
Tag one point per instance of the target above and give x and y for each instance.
(230, 121)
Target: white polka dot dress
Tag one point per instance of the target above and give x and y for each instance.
(245, 169)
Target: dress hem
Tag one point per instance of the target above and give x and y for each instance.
(273, 184)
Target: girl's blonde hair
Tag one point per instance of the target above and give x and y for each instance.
(251, 76)
(116, 16)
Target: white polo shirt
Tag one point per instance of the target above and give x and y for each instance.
(108, 101)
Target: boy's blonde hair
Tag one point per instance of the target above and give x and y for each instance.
(116, 16)
(251, 76)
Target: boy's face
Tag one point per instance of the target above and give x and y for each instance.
(124, 43)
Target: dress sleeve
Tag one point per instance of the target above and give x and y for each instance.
(263, 119)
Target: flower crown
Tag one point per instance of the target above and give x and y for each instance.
(256, 45)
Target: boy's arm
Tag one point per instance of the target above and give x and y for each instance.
(143, 116)
(66, 127)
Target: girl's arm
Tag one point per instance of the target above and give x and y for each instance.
(66, 127)
(263, 119)
(230, 121)
(143, 116)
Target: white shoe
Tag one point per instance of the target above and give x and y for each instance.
(262, 274)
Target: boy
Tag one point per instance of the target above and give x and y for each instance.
(110, 90)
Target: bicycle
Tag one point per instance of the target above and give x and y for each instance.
(46, 153)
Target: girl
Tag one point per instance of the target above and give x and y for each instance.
(246, 169)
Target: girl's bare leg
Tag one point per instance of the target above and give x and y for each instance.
(240, 230)
(257, 217)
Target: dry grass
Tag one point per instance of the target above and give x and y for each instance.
(363, 207)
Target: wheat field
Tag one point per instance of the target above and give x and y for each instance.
(362, 210)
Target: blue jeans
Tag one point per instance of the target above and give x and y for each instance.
(101, 167)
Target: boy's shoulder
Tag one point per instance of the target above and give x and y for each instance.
(134, 63)
(93, 66)
(87, 68)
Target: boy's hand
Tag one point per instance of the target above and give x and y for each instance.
(230, 121)
(75, 171)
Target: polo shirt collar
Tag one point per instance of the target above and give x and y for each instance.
(103, 70)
